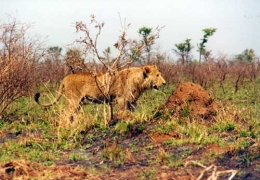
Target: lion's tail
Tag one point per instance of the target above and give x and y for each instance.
(37, 96)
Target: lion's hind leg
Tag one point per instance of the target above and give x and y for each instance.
(72, 106)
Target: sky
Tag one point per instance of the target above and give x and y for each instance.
(237, 21)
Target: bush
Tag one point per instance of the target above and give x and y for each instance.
(18, 55)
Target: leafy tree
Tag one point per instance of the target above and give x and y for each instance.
(201, 47)
(246, 56)
(183, 51)
(55, 49)
(52, 67)
(54, 53)
(145, 33)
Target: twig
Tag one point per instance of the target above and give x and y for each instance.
(215, 174)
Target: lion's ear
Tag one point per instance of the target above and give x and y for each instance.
(146, 71)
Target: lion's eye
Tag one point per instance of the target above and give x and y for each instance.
(157, 75)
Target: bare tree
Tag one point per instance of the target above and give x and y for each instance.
(111, 65)
(18, 55)
(222, 70)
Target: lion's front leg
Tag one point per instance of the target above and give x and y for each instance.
(131, 105)
(121, 104)
(123, 108)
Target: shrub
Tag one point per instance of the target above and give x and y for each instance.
(18, 55)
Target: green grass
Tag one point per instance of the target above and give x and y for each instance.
(31, 133)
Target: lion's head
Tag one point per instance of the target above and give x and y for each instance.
(153, 78)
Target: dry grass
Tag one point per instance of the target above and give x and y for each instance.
(25, 170)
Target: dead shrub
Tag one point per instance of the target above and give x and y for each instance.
(18, 55)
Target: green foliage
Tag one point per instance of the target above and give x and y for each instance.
(201, 47)
(54, 50)
(224, 126)
(147, 174)
(75, 157)
(246, 56)
(122, 127)
(185, 112)
(145, 32)
(135, 55)
(165, 127)
(147, 40)
(183, 50)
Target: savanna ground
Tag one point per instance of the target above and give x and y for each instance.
(152, 143)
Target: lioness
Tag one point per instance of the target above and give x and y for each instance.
(123, 88)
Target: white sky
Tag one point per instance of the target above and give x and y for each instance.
(237, 21)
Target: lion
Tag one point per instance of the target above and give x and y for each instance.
(123, 88)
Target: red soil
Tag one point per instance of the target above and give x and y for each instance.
(193, 98)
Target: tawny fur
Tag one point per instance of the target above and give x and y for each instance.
(123, 88)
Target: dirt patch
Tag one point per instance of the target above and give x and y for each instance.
(159, 138)
(191, 99)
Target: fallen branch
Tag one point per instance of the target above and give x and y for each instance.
(215, 174)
